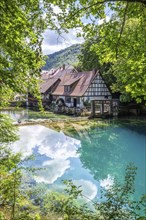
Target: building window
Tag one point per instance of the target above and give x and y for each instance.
(66, 88)
(68, 99)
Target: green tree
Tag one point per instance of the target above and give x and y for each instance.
(121, 39)
(13, 196)
(20, 46)
(9, 175)
(127, 54)
(90, 60)
(22, 24)
(115, 203)
(7, 130)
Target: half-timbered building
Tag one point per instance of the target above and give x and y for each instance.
(78, 88)
(68, 87)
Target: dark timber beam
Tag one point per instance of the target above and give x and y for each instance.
(92, 108)
(102, 108)
(111, 107)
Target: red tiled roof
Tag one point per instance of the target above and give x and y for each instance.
(47, 74)
(72, 81)
(44, 86)
(50, 77)
(82, 79)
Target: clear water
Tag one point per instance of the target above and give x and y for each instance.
(27, 114)
(17, 115)
(91, 158)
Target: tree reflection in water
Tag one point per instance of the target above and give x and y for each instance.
(107, 151)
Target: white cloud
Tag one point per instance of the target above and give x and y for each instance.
(50, 143)
(56, 146)
(89, 190)
(104, 20)
(60, 146)
(53, 42)
(107, 183)
(53, 170)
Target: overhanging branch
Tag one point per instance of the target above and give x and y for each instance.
(102, 2)
(122, 28)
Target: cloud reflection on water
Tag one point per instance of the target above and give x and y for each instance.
(53, 170)
(107, 183)
(89, 190)
(55, 153)
(57, 147)
(50, 143)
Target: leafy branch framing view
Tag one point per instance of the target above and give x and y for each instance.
(119, 42)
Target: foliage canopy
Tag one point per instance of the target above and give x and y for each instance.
(22, 24)
(121, 42)
(121, 39)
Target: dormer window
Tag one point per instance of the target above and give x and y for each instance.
(67, 88)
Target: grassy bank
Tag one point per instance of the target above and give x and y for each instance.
(10, 108)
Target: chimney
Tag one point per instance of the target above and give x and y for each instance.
(63, 66)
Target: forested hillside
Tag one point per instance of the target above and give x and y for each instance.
(66, 56)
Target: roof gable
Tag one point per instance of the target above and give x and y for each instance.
(98, 88)
(82, 79)
(47, 84)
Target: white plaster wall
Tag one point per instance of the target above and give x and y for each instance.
(96, 98)
(101, 98)
(61, 97)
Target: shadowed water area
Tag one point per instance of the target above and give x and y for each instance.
(91, 157)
